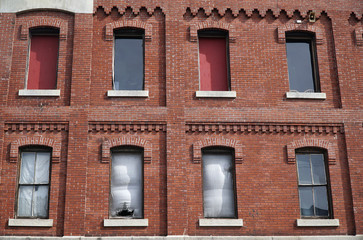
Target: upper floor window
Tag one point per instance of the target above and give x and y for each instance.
(213, 60)
(313, 184)
(33, 185)
(302, 62)
(126, 196)
(128, 68)
(43, 58)
(218, 183)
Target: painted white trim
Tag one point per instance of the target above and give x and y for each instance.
(125, 222)
(223, 222)
(39, 92)
(30, 222)
(216, 94)
(317, 222)
(128, 93)
(306, 95)
(14, 6)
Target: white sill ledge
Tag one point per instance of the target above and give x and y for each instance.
(125, 222)
(215, 94)
(205, 222)
(30, 222)
(39, 92)
(317, 222)
(128, 93)
(306, 95)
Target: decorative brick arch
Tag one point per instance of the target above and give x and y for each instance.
(215, 142)
(300, 27)
(128, 23)
(212, 24)
(126, 141)
(331, 148)
(358, 33)
(45, 22)
(36, 141)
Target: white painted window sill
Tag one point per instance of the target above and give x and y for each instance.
(30, 222)
(125, 222)
(317, 222)
(222, 222)
(39, 92)
(216, 94)
(128, 93)
(306, 95)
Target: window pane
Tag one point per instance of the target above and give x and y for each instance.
(129, 64)
(318, 167)
(43, 61)
(218, 190)
(306, 201)
(25, 201)
(321, 201)
(40, 206)
(126, 184)
(304, 169)
(213, 64)
(42, 168)
(27, 168)
(300, 66)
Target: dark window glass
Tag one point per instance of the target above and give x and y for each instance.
(33, 192)
(218, 184)
(213, 60)
(313, 186)
(301, 60)
(129, 60)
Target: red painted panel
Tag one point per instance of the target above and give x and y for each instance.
(213, 64)
(43, 60)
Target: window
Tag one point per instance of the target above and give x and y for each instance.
(213, 60)
(128, 59)
(302, 62)
(218, 184)
(126, 198)
(313, 185)
(33, 187)
(43, 58)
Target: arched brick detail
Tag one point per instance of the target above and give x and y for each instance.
(358, 33)
(214, 142)
(212, 24)
(331, 148)
(126, 140)
(45, 22)
(128, 23)
(39, 140)
(299, 27)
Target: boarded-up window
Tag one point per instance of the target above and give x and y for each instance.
(213, 60)
(218, 184)
(43, 59)
(128, 59)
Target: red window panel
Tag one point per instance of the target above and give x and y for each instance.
(43, 61)
(213, 64)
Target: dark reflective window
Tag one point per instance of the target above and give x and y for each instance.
(302, 64)
(313, 187)
(129, 59)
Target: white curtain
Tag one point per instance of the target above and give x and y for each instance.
(127, 183)
(218, 190)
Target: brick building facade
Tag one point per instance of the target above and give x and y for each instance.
(179, 155)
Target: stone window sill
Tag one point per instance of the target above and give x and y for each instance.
(306, 95)
(205, 222)
(39, 93)
(30, 222)
(215, 94)
(128, 93)
(317, 222)
(125, 222)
